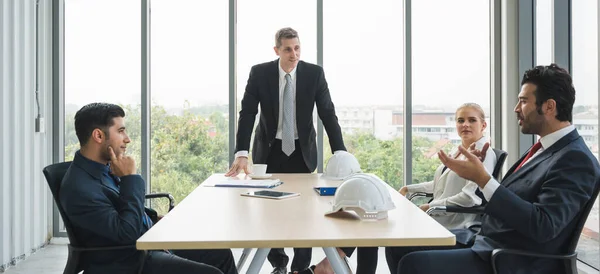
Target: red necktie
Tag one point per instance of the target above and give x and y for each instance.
(532, 151)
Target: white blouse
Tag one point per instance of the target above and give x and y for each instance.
(450, 189)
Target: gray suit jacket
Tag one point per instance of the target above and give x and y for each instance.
(537, 207)
(263, 89)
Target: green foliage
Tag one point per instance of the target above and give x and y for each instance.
(187, 148)
(384, 158)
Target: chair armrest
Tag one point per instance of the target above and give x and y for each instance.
(456, 209)
(499, 251)
(436, 209)
(420, 194)
(471, 210)
(163, 195)
(103, 248)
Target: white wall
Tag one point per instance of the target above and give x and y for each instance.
(25, 200)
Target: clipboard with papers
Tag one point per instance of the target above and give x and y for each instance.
(270, 183)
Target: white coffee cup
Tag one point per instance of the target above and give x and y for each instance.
(259, 169)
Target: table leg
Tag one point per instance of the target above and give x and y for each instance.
(337, 263)
(258, 260)
(243, 258)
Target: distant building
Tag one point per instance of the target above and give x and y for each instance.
(387, 123)
(586, 124)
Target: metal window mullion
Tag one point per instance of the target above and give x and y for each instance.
(561, 34)
(496, 72)
(407, 89)
(145, 93)
(232, 77)
(320, 133)
(58, 97)
(527, 54)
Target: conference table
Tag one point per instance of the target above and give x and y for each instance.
(219, 217)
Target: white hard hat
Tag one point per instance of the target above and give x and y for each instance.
(365, 194)
(341, 165)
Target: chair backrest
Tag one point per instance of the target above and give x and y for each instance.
(500, 158)
(54, 175)
(583, 218)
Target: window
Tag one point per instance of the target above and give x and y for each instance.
(102, 63)
(585, 112)
(460, 44)
(257, 23)
(190, 94)
(543, 33)
(363, 62)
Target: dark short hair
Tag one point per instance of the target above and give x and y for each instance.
(284, 33)
(93, 116)
(552, 82)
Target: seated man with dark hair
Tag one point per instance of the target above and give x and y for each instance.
(103, 197)
(539, 202)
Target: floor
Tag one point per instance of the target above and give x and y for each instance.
(52, 259)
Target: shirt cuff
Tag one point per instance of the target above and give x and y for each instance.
(241, 153)
(489, 189)
(337, 151)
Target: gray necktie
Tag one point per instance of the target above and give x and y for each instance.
(287, 127)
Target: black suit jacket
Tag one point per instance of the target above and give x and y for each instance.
(537, 207)
(263, 88)
(101, 215)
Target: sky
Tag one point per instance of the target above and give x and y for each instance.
(363, 49)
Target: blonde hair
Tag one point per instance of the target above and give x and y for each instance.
(474, 106)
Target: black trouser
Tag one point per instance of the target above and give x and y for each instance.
(205, 261)
(278, 162)
(393, 255)
(366, 261)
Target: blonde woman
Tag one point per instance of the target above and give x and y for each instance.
(447, 187)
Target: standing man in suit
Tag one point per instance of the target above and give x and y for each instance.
(103, 198)
(287, 90)
(538, 204)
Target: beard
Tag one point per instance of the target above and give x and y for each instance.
(532, 123)
(105, 152)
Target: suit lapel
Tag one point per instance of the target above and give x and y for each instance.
(274, 88)
(300, 86)
(530, 165)
(562, 142)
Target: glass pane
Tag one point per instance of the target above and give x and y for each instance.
(451, 66)
(363, 62)
(102, 63)
(190, 93)
(585, 111)
(543, 32)
(257, 23)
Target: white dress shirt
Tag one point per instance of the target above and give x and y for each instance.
(547, 141)
(450, 189)
(282, 82)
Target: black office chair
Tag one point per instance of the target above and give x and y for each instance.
(54, 175)
(569, 256)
